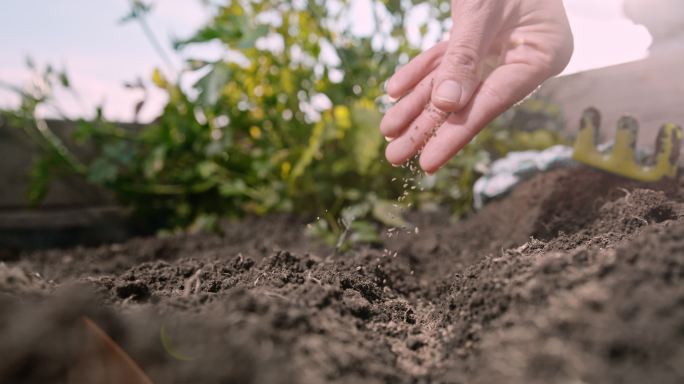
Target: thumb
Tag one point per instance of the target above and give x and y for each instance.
(458, 75)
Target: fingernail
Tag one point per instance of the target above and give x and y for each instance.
(391, 99)
(386, 84)
(449, 92)
(388, 138)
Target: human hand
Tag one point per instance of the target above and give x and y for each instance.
(499, 51)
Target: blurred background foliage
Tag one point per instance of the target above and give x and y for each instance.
(286, 121)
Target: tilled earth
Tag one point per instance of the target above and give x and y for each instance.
(576, 277)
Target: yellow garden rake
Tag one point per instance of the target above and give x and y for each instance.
(621, 158)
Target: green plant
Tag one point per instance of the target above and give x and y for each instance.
(289, 125)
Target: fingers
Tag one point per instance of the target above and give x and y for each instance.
(406, 77)
(399, 117)
(414, 138)
(475, 25)
(506, 86)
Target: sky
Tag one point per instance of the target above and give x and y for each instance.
(100, 54)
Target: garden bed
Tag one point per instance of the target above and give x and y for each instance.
(576, 276)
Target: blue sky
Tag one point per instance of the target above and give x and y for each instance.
(101, 54)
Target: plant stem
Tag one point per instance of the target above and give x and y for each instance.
(156, 45)
(55, 143)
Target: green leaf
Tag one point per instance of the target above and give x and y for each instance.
(233, 188)
(363, 232)
(227, 31)
(424, 29)
(207, 169)
(102, 171)
(84, 130)
(155, 162)
(202, 36)
(353, 212)
(195, 64)
(64, 79)
(394, 6)
(211, 85)
(119, 152)
(366, 138)
(251, 36)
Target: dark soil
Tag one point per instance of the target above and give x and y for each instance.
(575, 277)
